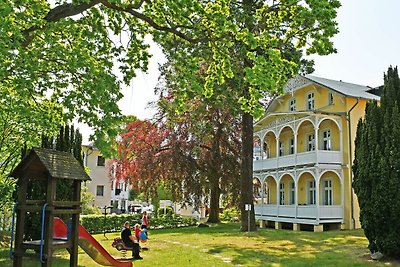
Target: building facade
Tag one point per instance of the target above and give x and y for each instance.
(303, 154)
(106, 191)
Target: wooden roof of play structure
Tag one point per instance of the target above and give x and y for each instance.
(41, 162)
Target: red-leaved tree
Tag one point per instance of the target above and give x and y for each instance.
(195, 156)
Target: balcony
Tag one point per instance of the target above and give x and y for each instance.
(310, 157)
(307, 214)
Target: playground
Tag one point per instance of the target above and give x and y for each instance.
(68, 243)
(224, 245)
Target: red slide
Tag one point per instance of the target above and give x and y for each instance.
(90, 245)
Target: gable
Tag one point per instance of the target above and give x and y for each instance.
(41, 162)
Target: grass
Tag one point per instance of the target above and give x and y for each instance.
(224, 245)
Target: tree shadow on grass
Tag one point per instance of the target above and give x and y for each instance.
(33, 261)
(275, 254)
(221, 229)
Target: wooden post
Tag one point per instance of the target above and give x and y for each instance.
(48, 166)
(48, 220)
(19, 227)
(73, 260)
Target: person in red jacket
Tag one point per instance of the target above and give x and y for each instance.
(137, 231)
(145, 222)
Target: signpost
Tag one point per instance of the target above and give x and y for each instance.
(105, 219)
(247, 207)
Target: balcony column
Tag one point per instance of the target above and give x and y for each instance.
(341, 140)
(295, 146)
(296, 195)
(277, 193)
(342, 192)
(277, 146)
(262, 192)
(261, 145)
(277, 152)
(317, 192)
(316, 141)
(342, 188)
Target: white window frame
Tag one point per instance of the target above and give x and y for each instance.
(310, 101)
(257, 150)
(326, 139)
(97, 191)
(281, 148)
(257, 189)
(281, 193)
(330, 98)
(292, 104)
(291, 146)
(292, 195)
(327, 192)
(311, 192)
(266, 151)
(310, 143)
(101, 161)
(267, 193)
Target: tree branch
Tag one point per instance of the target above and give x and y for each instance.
(68, 10)
(131, 10)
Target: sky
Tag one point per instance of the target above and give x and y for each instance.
(368, 42)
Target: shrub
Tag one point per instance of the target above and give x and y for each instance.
(96, 224)
(163, 211)
(229, 214)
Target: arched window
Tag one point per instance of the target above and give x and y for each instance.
(257, 149)
(256, 188)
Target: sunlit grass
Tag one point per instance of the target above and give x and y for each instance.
(224, 245)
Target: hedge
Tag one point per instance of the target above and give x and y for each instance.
(96, 224)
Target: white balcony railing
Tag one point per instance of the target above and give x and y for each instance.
(307, 212)
(331, 157)
(309, 157)
(299, 212)
(330, 212)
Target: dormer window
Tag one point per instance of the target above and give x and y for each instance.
(330, 98)
(292, 104)
(310, 101)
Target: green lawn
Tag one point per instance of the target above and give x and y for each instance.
(224, 245)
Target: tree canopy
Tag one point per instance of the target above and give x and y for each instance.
(64, 52)
(195, 155)
(253, 48)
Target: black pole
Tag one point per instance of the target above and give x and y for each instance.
(104, 222)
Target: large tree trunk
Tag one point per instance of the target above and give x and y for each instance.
(215, 177)
(214, 201)
(246, 174)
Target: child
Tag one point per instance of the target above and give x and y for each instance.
(145, 222)
(143, 239)
(137, 231)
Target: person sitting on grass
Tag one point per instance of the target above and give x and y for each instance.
(130, 241)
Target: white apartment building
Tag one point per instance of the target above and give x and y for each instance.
(106, 192)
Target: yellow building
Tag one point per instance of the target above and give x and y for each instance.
(302, 165)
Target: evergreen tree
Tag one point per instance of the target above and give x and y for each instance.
(68, 140)
(377, 169)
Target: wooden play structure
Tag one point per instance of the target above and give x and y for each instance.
(49, 167)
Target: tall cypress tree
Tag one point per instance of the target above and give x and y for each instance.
(377, 169)
(68, 140)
